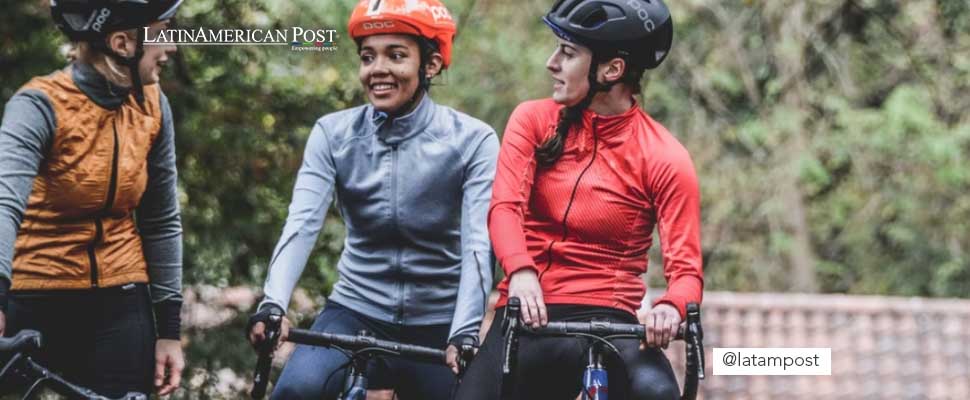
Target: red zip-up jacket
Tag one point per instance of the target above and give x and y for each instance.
(585, 224)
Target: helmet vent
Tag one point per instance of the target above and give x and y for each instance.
(556, 6)
(569, 7)
(375, 5)
(599, 14)
(78, 21)
(594, 19)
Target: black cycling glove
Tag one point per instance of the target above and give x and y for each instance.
(4, 289)
(466, 345)
(262, 315)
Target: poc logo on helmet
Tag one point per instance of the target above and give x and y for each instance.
(642, 14)
(440, 13)
(378, 25)
(100, 20)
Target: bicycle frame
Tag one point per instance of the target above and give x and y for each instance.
(595, 377)
(39, 377)
(361, 348)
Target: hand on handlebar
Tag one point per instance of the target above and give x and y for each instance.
(661, 323)
(257, 326)
(524, 284)
(451, 358)
(461, 350)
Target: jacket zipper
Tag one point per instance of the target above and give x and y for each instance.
(569, 206)
(397, 256)
(109, 202)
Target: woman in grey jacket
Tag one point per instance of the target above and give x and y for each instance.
(413, 180)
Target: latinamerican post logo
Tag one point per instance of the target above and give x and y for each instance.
(298, 38)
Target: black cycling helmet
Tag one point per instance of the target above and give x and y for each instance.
(92, 20)
(639, 31)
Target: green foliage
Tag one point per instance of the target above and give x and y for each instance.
(853, 112)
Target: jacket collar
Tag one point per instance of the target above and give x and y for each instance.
(98, 88)
(396, 130)
(608, 129)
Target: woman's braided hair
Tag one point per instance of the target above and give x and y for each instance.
(549, 151)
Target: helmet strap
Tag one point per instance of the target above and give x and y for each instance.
(133, 68)
(407, 106)
(130, 62)
(424, 82)
(594, 85)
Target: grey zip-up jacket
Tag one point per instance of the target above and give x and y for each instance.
(413, 192)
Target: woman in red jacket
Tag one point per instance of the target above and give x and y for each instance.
(583, 179)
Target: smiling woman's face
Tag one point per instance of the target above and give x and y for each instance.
(569, 66)
(155, 56)
(389, 66)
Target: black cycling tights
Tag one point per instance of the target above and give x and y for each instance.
(102, 339)
(552, 367)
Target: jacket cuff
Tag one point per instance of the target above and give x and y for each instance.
(518, 262)
(168, 319)
(463, 339)
(678, 302)
(4, 290)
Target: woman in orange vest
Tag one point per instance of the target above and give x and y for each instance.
(90, 233)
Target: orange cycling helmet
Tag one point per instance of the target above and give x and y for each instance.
(426, 18)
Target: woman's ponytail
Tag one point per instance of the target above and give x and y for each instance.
(549, 152)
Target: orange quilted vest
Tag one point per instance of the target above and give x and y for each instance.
(79, 230)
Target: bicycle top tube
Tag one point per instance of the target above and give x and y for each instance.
(24, 341)
(20, 364)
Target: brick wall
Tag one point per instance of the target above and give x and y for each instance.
(882, 347)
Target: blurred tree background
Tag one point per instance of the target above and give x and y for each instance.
(831, 137)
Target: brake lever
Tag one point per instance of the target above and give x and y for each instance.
(465, 355)
(510, 326)
(266, 350)
(696, 336)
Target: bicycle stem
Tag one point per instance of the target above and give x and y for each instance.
(355, 387)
